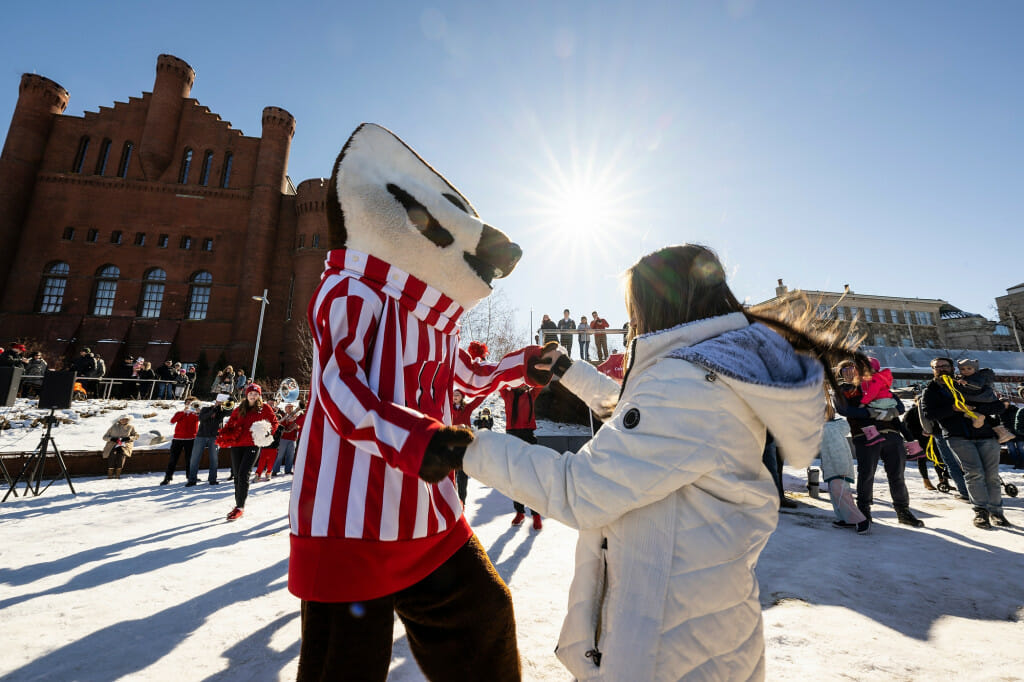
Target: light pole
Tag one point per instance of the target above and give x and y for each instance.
(264, 302)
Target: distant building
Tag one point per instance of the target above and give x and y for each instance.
(147, 227)
(906, 322)
(1011, 310)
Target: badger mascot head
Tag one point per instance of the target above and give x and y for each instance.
(385, 200)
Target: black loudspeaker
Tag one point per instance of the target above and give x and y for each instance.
(55, 393)
(10, 379)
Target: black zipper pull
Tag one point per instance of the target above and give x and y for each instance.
(595, 656)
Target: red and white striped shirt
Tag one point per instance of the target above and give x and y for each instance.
(363, 524)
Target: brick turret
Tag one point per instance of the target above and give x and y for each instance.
(40, 101)
(174, 78)
(269, 182)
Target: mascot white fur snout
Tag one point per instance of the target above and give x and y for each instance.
(384, 199)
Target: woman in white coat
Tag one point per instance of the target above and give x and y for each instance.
(670, 497)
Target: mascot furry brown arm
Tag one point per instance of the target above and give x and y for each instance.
(375, 517)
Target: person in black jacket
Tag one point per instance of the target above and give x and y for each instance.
(166, 374)
(547, 330)
(890, 449)
(210, 419)
(566, 324)
(1015, 448)
(85, 367)
(976, 447)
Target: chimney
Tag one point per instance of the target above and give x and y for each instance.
(781, 289)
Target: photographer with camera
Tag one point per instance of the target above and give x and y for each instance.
(119, 438)
(210, 419)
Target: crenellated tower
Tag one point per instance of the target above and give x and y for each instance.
(173, 84)
(40, 101)
(269, 182)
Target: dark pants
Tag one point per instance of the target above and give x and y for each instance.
(891, 452)
(242, 460)
(178, 448)
(462, 483)
(773, 463)
(601, 343)
(459, 623)
(566, 342)
(523, 435)
(116, 459)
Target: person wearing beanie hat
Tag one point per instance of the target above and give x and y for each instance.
(977, 385)
(239, 434)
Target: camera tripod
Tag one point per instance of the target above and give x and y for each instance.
(35, 462)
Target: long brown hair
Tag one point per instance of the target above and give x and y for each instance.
(679, 284)
(244, 408)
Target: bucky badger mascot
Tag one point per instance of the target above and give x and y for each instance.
(376, 523)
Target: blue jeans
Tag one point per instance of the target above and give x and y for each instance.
(585, 349)
(285, 455)
(164, 391)
(952, 465)
(980, 460)
(197, 454)
(1016, 450)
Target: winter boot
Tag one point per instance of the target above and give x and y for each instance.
(981, 519)
(167, 479)
(904, 516)
(1000, 520)
(872, 435)
(1003, 434)
(928, 484)
(537, 525)
(517, 520)
(110, 473)
(117, 472)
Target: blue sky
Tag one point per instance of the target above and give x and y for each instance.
(878, 144)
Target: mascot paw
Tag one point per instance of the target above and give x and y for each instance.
(538, 367)
(444, 452)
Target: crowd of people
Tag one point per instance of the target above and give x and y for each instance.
(258, 432)
(566, 329)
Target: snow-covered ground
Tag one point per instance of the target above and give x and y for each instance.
(136, 581)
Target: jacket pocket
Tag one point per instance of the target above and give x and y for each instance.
(602, 606)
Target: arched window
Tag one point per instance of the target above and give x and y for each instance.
(225, 173)
(106, 290)
(101, 161)
(126, 157)
(83, 147)
(186, 165)
(199, 295)
(55, 281)
(204, 174)
(152, 293)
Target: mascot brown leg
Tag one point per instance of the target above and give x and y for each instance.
(458, 620)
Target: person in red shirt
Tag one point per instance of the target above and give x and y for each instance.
(238, 435)
(186, 425)
(520, 422)
(599, 324)
(291, 426)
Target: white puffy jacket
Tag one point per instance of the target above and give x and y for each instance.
(671, 499)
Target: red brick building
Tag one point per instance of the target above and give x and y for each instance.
(146, 228)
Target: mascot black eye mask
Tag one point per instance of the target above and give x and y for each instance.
(384, 199)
